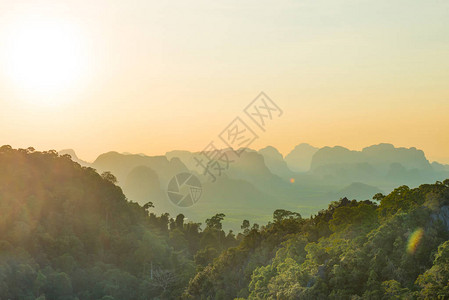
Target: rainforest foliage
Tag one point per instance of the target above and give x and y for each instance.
(67, 232)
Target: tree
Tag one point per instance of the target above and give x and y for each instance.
(435, 281)
(205, 256)
(378, 197)
(393, 290)
(245, 226)
(163, 279)
(58, 286)
(109, 177)
(179, 221)
(148, 205)
(281, 214)
(215, 221)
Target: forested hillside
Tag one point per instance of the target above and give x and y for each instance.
(395, 247)
(67, 232)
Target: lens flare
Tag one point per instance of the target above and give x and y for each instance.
(44, 58)
(414, 240)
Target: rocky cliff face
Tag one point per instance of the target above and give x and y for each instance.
(443, 216)
(275, 162)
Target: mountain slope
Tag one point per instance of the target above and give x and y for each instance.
(352, 250)
(300, 158)
(275, 162)
(67, 233)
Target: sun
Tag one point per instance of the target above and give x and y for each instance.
(44, 57)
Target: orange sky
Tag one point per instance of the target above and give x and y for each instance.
(150, 77)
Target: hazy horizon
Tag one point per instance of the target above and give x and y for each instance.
(91, 160)
(152, 77)
(361, 213)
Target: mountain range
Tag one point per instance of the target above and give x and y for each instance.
(257, 182)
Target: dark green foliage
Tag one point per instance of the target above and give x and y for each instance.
(67, 232)
(215, 222)
(435, 281)
(352, 250)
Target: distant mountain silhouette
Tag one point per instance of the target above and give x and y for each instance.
(382, 156)
(75, 158)
(275, 162)
(143, 185)
(122, 164)
(440, 167)
(248, 188)
(257, 182)
(380, 165)
(300, 158)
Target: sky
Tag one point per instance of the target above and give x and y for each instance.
(154, 76)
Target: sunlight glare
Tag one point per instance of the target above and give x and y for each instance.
(45, 58)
